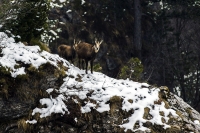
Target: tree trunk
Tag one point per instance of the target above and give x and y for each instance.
(137, 28)
(183, 91)
(196, 98)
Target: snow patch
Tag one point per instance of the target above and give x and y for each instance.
(101, 87)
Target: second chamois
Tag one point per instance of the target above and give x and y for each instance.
(67, 52)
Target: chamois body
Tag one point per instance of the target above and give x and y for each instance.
(67, 52)
(87, 52)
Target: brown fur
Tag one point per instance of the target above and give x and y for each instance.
(87, 52)
(67, 52)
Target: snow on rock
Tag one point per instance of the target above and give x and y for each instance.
(196, 121)
(101, 87)
(54, 105)
(31, 122)
(13, 53)
(104, 87)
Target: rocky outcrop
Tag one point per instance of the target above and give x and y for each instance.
(15, 112)
(41, 92)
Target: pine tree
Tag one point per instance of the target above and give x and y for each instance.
(30, 20)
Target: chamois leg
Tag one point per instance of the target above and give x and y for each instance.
(86, 63)
(79, 62)
(82, 63)
(72, 59)
(91, 65)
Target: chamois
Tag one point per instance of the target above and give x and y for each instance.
(87, 52)
(67, 52)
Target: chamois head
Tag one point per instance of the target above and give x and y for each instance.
(76, 44)
(97, 45)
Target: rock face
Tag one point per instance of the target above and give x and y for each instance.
(15, 111)
(189, 118)
(57, 97)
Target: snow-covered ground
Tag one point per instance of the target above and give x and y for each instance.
(101, 86)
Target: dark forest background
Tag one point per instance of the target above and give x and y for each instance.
(154, 41)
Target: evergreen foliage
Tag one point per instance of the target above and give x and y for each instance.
(97, 67)
(30, 19)
(132, 70)
(36, 42)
